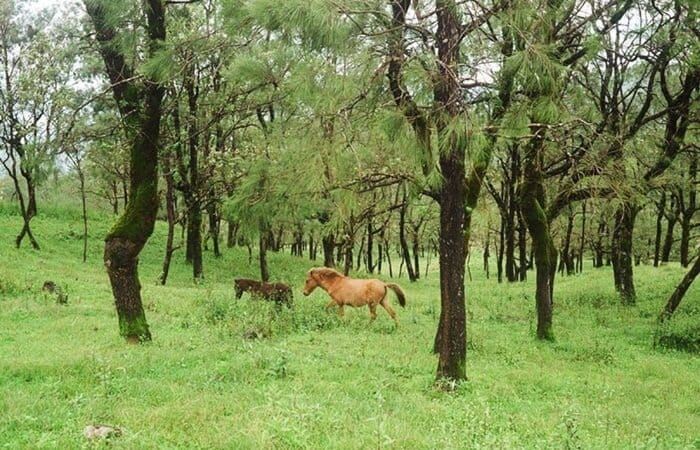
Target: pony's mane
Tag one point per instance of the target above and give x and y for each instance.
(325, 272)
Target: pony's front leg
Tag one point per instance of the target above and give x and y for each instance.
(341, 310)
(372, 312)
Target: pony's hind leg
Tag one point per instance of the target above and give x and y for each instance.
(390, 310)
(372, 312)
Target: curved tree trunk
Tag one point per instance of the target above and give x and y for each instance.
(678, 294)
(141, 108)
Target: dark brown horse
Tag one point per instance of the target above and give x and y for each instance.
(279, 293)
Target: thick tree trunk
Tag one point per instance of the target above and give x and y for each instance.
(452, 329)
(678, 294)
(668, 239)
(328, 248)
(532, 204)
(232, 230)
(623, 271)
(142, 113)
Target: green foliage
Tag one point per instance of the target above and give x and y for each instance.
(682, 331)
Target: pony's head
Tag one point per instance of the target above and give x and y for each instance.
(311, 282)
(320, 276)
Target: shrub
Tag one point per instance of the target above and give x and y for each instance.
(682, 332)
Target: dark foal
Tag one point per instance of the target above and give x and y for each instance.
(279, 293)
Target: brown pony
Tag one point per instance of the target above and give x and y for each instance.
(279, 293)
(353, 292)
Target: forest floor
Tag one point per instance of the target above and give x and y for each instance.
(316, 381)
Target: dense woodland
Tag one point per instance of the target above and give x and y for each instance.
(377, 137)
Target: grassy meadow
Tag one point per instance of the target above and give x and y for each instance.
(316, 381)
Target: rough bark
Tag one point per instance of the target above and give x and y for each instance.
(128, 236)
(328, 247)
(532, 203)
(678, 294)
(622, 255)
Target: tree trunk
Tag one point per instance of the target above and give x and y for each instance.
(416, 250)
(501, 251)
(262, 245)
(83, 200)
(660, 210)
(486, 257)
(232, 230)
(347, 262)
(623, 271)
(678, 294)
(328, 248)
(565, 260)
(688, 211)
(194, 237)
(370, 247)
(532, 204)
(582, 243)
(171, 217)
(405, 253)
(452, 329)
(128, 236)
(522, 247)
(214, 221)
(668, 240)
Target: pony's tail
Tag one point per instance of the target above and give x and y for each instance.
(399, 293)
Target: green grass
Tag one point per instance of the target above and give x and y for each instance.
(320, 382)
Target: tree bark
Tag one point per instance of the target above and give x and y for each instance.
(128, 236)
(262, 245)
(668, 239)
(328, 248)
(405, 253)
(522, 248)
(622, 255)
(660, 210)
(171, 217)
(678, 294)
(532, 203)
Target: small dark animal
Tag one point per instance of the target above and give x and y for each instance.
(53, 288)
(279, 293)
